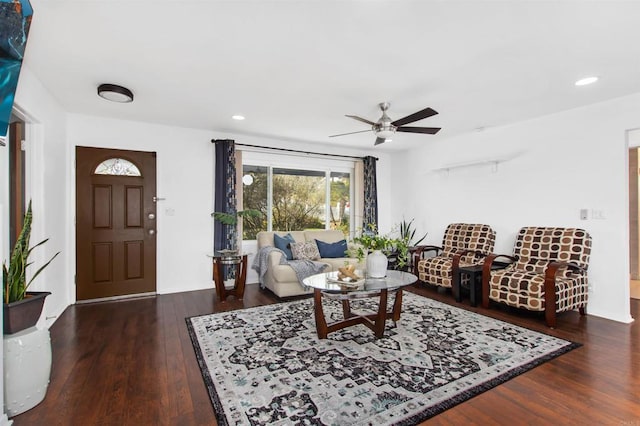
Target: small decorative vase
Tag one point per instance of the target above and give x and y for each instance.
(377, 264)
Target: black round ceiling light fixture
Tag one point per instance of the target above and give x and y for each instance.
(115, 93)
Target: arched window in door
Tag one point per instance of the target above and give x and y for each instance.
(117, 167)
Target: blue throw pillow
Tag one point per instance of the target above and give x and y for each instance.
(332, 250)
(282, 243)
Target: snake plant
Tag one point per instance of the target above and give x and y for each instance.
(14, 277)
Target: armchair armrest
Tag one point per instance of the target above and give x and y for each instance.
(486, 273)
(419, 250)
(550, 287)
(417, 253)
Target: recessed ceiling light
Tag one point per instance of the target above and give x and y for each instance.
(586, 80)
(238, 117)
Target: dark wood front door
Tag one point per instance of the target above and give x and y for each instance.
(115, 222)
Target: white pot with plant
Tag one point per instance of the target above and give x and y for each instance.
(27, 350)
(376, 247)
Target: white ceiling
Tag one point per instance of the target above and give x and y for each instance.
(294, 68)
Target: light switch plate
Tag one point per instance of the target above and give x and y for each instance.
(584, 214)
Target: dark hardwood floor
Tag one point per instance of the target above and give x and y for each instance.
(132, 363)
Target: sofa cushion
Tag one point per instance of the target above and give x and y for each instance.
(282, 243)
(332, 250)
(326, 235)
(307, 250)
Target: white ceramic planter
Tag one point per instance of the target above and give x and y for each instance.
(27, 367)
(377, 264)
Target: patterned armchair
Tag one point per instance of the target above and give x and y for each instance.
(464, 244)
(548, 272)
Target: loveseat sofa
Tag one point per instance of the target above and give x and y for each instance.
(281, 279)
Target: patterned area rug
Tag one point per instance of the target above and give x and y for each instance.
(266, 365)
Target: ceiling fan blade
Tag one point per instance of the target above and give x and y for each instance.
(364, 120)
(350, 133)
(379, 141)
(427, 112)
(428, 130)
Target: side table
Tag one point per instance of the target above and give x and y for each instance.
(475, 282)
(220, 261)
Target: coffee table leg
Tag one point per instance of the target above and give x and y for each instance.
(397, 306)
(346, 309)
(381, 318)
(321, 323)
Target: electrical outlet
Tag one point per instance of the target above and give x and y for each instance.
(592, 289)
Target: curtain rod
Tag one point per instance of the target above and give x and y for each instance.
(297, 151)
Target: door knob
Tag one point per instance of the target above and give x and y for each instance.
(152, 231)
(151, 216)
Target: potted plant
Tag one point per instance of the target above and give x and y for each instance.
(407, 234)
(21, 309)
(231, 219)
(377, 247)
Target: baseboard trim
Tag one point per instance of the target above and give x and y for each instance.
(114, 298)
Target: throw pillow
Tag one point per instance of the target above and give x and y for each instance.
(308, 250)
(332, 250)
(282, 243)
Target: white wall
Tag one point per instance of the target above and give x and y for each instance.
(185, 169)
(184, 180)
(556, 166)
(47, 166)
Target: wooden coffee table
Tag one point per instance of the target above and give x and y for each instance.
(324, 285)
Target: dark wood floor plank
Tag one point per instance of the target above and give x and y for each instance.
(132, 363)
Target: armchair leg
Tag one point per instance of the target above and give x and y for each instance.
(550, 294)
(550, 316)
(582, 310)
(486, 276)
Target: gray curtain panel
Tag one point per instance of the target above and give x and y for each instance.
(225, 236)
(370, 217)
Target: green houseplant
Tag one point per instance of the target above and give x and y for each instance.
(408, 233)
(231, 219)
(21, 309)
(371, 241)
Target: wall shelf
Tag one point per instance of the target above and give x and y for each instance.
(491, 161)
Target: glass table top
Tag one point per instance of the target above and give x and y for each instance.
(329, 282)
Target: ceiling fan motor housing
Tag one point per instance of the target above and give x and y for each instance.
(383, 128)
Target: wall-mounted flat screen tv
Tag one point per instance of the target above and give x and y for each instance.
(15, 20)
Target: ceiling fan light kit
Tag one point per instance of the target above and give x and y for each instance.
(385, 128)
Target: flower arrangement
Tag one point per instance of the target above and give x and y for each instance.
(370, 240)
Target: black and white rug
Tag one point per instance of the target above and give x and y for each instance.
(266, 365)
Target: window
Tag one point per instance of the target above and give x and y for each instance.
(118, 167)
(254, 196)
(340, 212)
(298, 200)
(294, 199)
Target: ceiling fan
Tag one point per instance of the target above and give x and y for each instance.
(384, 128)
